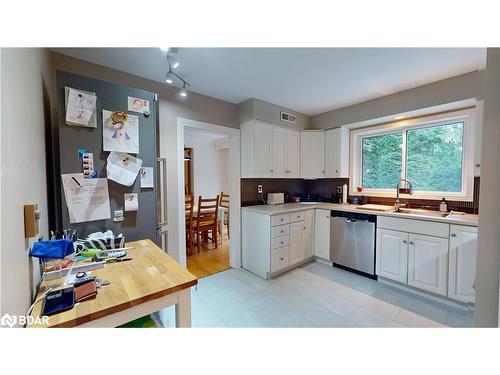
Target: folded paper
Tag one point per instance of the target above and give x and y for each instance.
(123, 168)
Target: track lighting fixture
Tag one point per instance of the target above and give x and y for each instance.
(183, 91)
(170, 77)
(173, 61)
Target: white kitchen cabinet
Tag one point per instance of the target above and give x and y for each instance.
(322, 234)
(312, 154)
(428, 263)
(273, 244)
(297, 248)
(337, 153)
(392, 255)
(292, 152)
(462, 263)
(278, 152)
(309, 233)
(262, 152)
(269, 151)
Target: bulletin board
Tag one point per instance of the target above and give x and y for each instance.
(138, 224)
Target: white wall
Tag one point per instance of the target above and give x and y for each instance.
(24, 113)
(210, 166)
(488, 257)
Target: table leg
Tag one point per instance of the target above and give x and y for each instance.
(183, 309)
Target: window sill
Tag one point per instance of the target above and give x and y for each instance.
(417, 196)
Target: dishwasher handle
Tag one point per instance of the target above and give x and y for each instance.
(348, 220)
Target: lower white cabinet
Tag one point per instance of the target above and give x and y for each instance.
(392, 255)
(419, 260)
(309, 233)
(322, 234)
(428, 263)
(462, 263)
(276, 243)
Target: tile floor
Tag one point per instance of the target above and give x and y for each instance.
(314, 295)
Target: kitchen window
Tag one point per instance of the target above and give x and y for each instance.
(435, 153)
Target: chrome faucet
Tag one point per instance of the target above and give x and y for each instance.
(397, 204)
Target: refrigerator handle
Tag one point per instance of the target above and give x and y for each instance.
(162, 162)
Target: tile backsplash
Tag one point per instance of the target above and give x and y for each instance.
(326, 186)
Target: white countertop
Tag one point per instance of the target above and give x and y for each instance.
(467, 219)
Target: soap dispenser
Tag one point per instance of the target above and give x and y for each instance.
(443, 207)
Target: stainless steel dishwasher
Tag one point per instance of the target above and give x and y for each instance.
(352, 241)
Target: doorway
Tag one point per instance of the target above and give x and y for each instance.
(210, 169)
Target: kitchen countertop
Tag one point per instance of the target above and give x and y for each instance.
(467, 219)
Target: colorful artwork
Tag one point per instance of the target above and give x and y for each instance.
(120, 132)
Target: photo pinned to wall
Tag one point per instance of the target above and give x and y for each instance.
(147, 180)
(88, 165)
(131, 202)
(80, 108)
(138, 105)
(123, 168)
(120, 132)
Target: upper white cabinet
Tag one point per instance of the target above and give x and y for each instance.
(428, 263)
(462, 263)
(269, 151)
(322, 233)
(337, 153)
(312, 154)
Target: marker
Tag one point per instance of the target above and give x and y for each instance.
(74, 179)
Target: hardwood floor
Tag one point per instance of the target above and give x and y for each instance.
(209, 260)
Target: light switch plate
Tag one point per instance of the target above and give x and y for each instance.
(259, 189)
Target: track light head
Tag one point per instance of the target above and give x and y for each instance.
(173, 60)
(183, 91)
(169, 78)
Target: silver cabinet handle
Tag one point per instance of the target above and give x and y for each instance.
(327, 216)
(271, 170)
(323, 172)
(411, 243)
(282, 242)
(404, 241)
(305, 227)
(281, 259)
(336, 171)
(453, 235)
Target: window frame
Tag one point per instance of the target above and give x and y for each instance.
(467, 116)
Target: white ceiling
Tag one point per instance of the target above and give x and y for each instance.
(308, 80)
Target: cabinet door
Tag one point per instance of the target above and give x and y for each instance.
(392, 255)
(428, 263)
(278, 152)
(322, 234)
(263, 143)
(312, 154)
(462, 265)
(337, 153)
(292, 154)
(309, 233)
(297, 249)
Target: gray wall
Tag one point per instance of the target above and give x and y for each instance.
(488, 261)
(25, 118)
(465, 86)
(260, 110)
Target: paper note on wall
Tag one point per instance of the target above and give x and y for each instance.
(147, 179)
(80, 108)
(123, 168)
(131, 202)
(86, 199)
(120, 132)
(138, 105)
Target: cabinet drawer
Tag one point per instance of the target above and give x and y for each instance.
(282, 230)
(297, 216)
(429, 228)
(280, 242)
(280, 258)
(280, 219)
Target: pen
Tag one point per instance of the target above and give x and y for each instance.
(74, 179)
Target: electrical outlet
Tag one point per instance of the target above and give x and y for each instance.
(259, 189)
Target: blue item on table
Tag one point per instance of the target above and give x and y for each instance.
(56, 249)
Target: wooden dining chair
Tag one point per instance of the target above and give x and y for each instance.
(224, 202)
(188, 211)
(206, 219)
